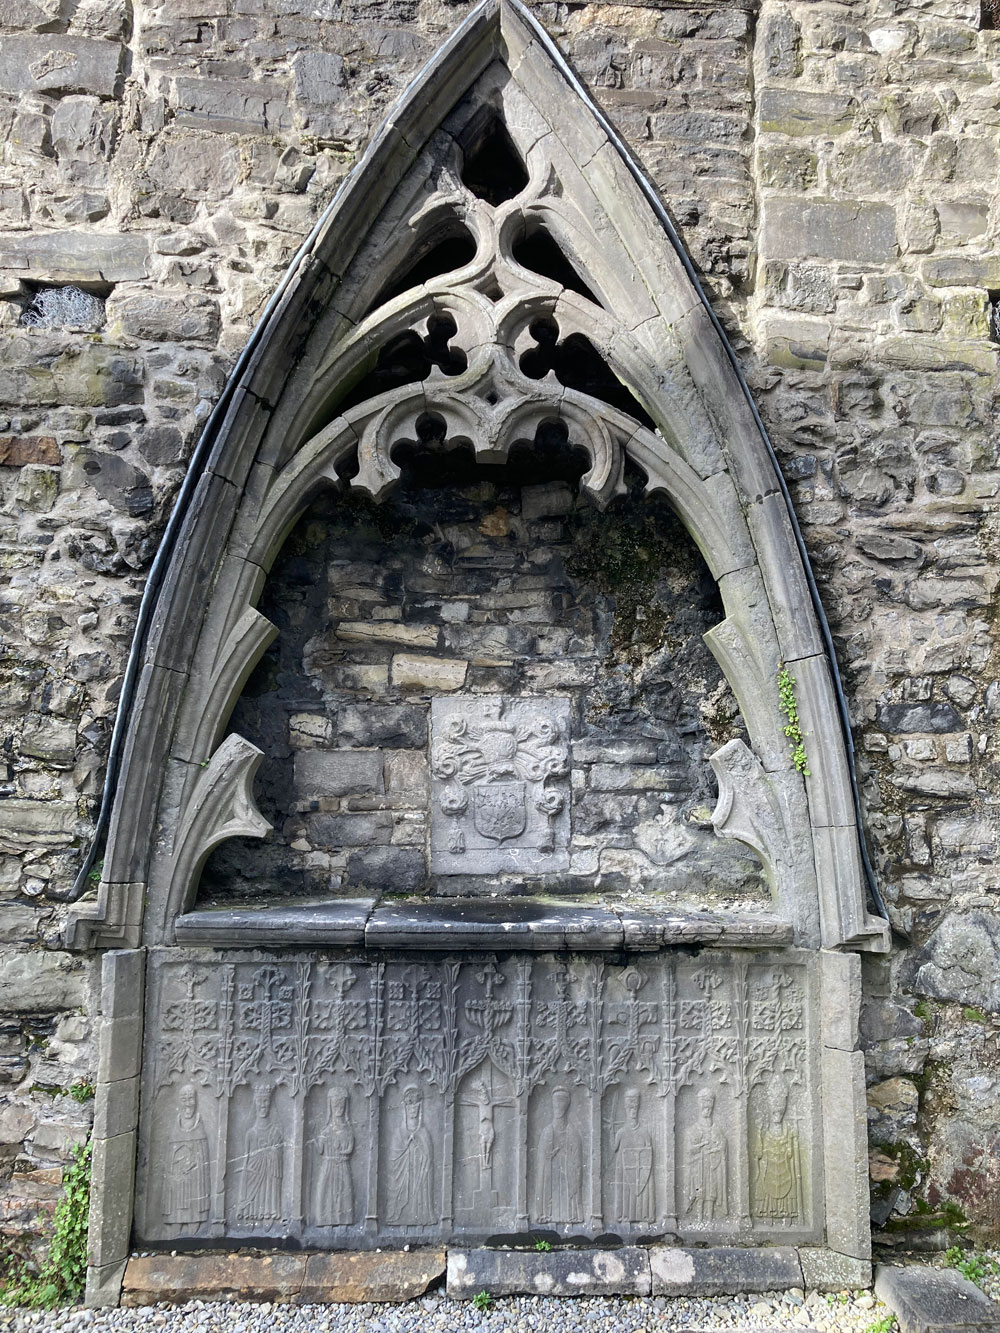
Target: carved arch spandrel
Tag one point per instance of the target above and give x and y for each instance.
(284, 435)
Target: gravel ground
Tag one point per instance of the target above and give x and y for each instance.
(794, 1310)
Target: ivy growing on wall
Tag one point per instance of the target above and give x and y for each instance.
(792, 729)
(62, 1276)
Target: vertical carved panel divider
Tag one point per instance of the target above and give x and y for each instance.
(454, 1062)
(681, 1056)
(594, 1044)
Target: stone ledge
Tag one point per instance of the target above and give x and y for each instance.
(934, 1300)
(397, 1275)
(714, 1272)
(623, 1272)
(305, 1279)
(525, 923)
(341, 921)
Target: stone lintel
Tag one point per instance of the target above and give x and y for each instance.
(558, 1273)
(929, 1300)
(476, 923)
(517, 923)
(724, 1269)
(341, 921)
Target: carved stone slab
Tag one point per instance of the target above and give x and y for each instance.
(500, 785)
(347, 1102)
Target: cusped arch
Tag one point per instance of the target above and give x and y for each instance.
(280, 436)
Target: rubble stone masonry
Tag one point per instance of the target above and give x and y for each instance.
(832, 169)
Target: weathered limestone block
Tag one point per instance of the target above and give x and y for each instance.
(238, 107)
(165, 319)
(322, 773)
(961, 961)
(55, 64)
(75, 256)
(115, 480)
(797, 112)
(41, 982)
(83, 130)
(860, 233)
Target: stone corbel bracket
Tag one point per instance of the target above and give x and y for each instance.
(220, 806)
(748, 809)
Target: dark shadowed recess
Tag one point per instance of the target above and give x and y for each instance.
(625, 593)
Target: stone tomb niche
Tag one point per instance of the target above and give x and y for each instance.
(342, 1101)
(459, 880)
(486, 687)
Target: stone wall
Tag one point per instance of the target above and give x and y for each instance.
(486, 582)
(830, 168)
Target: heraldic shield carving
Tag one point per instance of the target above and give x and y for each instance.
(500, 771)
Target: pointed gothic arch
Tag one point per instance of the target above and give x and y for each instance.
(415, 248)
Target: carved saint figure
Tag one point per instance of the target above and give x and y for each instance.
(334, 1197)
(633, 1149)
(561, 1155)
(263, 1165)
(187, 1185)
(708, 1170)
(778, 1184)
(410, 1166)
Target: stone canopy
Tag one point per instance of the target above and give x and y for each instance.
(475, 1031)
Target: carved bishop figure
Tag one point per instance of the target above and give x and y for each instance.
(187, 1182)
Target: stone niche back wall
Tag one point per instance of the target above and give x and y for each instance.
(469, 583)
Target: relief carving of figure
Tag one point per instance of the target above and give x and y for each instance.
(263, 1165)
(708, 1170)
(778, 1182)
(334, 1196)
(633, 1150)
(485, 1101)
(410, 1166)
(187, 1183)
(561, 1155)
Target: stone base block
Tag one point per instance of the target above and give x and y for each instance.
(723, 1270)
(390, 1276)
(931, 1300)
(104, 1285)
(623, 1272)
(214, 1277)
(826, 1270)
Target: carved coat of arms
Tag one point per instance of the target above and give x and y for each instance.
(500, 772)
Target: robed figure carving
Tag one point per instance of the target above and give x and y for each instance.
(708, 1155)
(187, 1182)
(560, 1153)
(263, 1165)
(778, 1184)
(410, 1166)
(334, 1190)
(633, 1151)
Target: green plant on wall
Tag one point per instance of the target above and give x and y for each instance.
(792, 728)
(61, 1278)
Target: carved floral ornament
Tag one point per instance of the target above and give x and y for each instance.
(483, 316)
